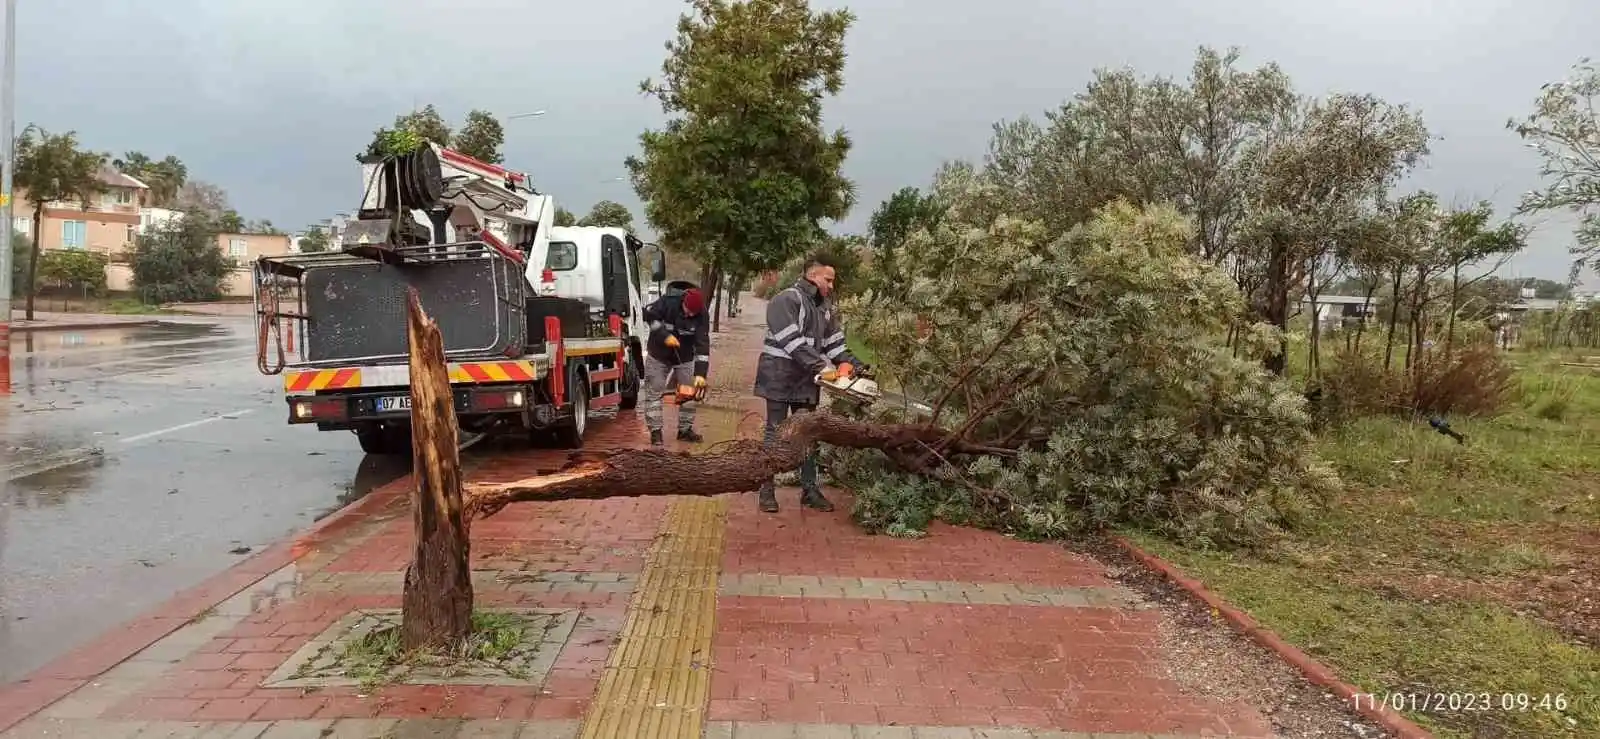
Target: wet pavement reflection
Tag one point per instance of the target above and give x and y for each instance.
(140, 461)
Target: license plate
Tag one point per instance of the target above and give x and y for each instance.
(394, 403)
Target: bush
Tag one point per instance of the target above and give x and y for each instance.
(1473, 380)
(74, 270)
(180, 262)
(1107, 365)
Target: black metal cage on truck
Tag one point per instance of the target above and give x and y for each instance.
(517, 360)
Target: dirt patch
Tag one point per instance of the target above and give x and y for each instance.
(1552, 574)
(1208, 656)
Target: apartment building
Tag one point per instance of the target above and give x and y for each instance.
(109, 223)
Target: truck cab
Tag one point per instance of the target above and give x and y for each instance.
(602, 267)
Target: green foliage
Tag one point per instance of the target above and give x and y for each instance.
(180, 262)
(166, 178)
(74, 269)
(1100, 350)
(1564, 128)
(844, 252)
(51, 167)
(743, 173)
(609, 214)
(316, 240)
(565, 217)
(21, 248)
(230, 222)
(480, 137)
(896, 218)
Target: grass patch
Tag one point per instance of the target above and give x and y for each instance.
(131, 307)
(379, 657)
(1449, 568)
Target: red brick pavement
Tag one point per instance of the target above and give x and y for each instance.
(778, 659)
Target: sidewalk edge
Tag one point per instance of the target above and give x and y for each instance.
(1313, 670)
(65, 674)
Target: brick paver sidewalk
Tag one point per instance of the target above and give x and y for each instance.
(670, 617)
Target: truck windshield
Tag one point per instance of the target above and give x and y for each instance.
(563, 256)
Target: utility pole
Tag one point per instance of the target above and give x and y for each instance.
(8, 225)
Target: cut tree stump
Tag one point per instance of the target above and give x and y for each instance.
(436, 610)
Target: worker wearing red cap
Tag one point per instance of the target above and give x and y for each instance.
(678, 354)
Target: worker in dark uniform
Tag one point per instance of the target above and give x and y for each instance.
(804, 339)
(678, 354)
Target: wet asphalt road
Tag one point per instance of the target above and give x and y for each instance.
(139, 461)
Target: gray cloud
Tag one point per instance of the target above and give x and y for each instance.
(272, 100)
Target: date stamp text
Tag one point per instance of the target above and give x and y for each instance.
(1461, 702)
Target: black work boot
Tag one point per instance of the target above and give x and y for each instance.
(769, 500)
(814, 499)
(690, 435)
(655, 437)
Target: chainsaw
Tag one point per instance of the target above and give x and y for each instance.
(860, 387)
(685, 394)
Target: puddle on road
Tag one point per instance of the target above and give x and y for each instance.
(28, 342)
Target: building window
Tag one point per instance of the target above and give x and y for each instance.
(74, 234)
(236, 247)
(22, 225)
(133, 234)
(124, 196)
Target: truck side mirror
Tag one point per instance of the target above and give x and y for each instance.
(658, 266)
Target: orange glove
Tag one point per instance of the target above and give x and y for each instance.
(830, 374)
(845, 368)
(672, 341)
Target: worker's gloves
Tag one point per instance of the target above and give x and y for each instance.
(830, 374)
(845, 369)
(672, 341)
(699, 388)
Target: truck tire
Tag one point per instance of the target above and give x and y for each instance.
(385, 440)
(569, 432)
(632, 380)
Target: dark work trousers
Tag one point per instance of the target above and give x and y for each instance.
(777, 412)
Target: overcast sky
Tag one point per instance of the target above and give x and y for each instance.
(271, 100)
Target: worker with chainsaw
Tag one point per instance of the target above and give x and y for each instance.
(804, 344)
(677, 358)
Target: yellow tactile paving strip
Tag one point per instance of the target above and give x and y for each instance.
(658, 679)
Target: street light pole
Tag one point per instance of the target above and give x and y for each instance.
(8, 145)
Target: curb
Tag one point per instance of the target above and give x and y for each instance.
(15, 329)
(79, 667)
(1314, 671)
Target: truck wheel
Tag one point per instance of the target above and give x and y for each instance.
(631, 380)
(385, 440)
(569, 433)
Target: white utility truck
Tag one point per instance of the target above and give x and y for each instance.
(540, 324)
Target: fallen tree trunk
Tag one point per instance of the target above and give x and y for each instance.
(436, 605)
(740, 466)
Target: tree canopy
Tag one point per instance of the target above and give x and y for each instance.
(1564, 128)
(743, 171)
(165, 178)
(480, 137)
(180, 261)
(52, 167)
(610, 214)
